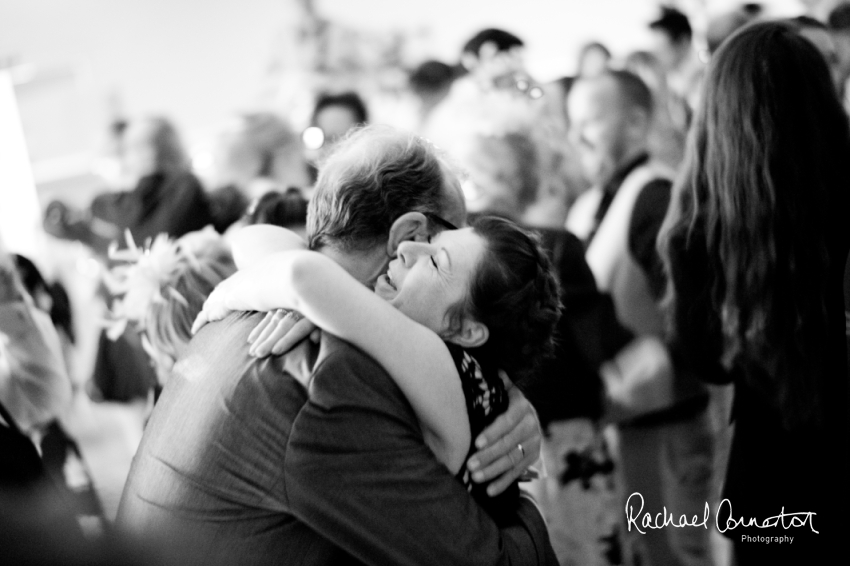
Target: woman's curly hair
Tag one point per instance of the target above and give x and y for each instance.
(516, 295)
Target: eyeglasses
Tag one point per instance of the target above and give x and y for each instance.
(440, 221)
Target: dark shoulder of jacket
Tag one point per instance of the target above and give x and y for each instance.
(346, 374)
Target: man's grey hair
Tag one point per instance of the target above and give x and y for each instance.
(372, 177)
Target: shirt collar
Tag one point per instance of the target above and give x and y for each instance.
(623, 171)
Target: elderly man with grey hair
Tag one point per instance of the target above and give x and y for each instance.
(241, 463)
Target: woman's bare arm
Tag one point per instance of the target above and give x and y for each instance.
(253, 243)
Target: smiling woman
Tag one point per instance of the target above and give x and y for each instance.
(428, 278)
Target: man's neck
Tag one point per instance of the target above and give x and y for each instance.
(623, 165)
(365, 266)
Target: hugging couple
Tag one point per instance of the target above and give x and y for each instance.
(358, 446)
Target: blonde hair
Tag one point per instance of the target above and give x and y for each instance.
(169, 323)
(165, 285)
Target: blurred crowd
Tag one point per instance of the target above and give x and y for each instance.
(613, 168)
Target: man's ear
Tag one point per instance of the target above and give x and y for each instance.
(472, 334)
(409, 226)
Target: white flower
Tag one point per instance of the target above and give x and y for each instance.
(148, 275)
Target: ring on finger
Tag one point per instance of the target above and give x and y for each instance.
(521, 451)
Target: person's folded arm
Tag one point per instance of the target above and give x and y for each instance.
(359, 473)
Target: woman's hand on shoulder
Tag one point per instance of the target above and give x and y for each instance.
(279, 332)
(222, 301)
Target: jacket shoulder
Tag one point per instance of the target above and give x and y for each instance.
(346, 375)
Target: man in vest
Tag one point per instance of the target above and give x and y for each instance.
(665, 445)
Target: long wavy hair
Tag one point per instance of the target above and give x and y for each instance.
(766, 164)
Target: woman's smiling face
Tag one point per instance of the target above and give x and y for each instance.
(427, 278)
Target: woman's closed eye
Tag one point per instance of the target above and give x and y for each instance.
(433, 259)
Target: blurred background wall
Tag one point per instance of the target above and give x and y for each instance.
(77, 64)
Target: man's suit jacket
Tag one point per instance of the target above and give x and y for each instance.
(239, 464)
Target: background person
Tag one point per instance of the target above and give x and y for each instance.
(497, 83)
(430, 83)
(670, 114)
(673, 46)
(256, 153)
(664, 442)
(161, 290)
(333, 116)
(166, 198)
(34, 384)
(577, 496)
(755, 244)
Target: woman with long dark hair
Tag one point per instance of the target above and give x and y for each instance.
(755, 243)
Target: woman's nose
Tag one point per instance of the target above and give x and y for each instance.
(409, 252)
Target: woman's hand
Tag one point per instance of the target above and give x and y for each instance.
(228, 296)
(279, 332)
(508, 446)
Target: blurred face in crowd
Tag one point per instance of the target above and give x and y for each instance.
(140, 156)
(603, 130)
(669, 53)
(593, 62)
(491, 66)
(427, 278)
(331, 124)
(235, 162)
(492, 178)
(335, 121)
